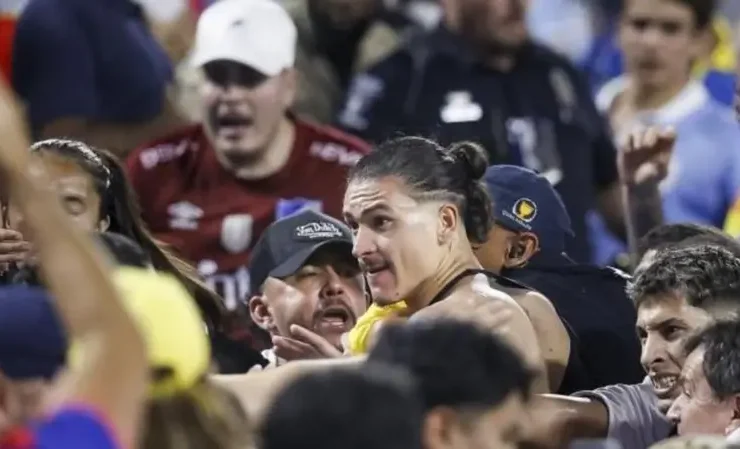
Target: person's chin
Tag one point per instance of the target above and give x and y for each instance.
(665, 402)
(237, 153)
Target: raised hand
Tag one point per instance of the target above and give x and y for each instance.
(646, 154)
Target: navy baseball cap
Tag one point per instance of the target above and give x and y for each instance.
(524, 201)
(286, 245)
(33, 342)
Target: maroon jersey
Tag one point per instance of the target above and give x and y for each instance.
(213, 218)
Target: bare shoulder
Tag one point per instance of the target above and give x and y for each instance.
(482, 289)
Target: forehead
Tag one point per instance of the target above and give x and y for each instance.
(388, 192)
(658, 309)
(332, 254)
(65, 173)
(663, 10)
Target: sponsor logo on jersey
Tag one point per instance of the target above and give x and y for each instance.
(335, 152)
(184, 215)
(236, 232)
(151, 157)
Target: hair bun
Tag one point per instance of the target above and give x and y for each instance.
(471, 156)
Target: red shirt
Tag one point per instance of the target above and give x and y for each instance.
(213, 218)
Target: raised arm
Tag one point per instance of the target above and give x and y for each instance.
(111, 377)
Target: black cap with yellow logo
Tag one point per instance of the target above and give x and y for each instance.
(524, 201)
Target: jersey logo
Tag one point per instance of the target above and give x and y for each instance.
(525, 210)
(184, 215)
(460, 108)
(564, 93)
(236, 232)
(334, 152)
(363, 92)
(151, 157)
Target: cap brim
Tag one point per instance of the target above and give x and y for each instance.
(203, 57)
(297, 260)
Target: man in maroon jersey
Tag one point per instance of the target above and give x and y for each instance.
(211, 189)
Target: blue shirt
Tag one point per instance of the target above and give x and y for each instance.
(89, 59)
(604, 62)
(68, 428)
(704, 175)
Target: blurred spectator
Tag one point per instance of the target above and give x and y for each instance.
(479, 77)
(713, 65)
(472, 384)
(210, 189)
(92, 70)
(658, 89)
(336, 39)
(374, 408)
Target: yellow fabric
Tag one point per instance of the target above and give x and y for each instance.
(732, 220)
(170, 324)
(723, 57)
(359, 336)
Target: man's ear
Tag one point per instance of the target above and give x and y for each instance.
(260, 313)
(104, 224)
(522, 249)
(440, 429)
(733, 429)
(449, 221)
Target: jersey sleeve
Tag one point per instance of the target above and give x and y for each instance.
(634, 417)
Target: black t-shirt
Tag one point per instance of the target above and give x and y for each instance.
(594, 302)
(540, 115)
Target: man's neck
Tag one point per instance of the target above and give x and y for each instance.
(646, 97)
(274, 157)
(450, 269)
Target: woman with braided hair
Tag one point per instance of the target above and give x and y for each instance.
(92, 187)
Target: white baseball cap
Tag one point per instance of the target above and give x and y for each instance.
(256, 33)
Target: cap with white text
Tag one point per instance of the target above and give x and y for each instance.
(286, 245)
(257, 33)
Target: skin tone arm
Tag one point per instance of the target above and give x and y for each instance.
(257, 389)
(633, 206)
(562, 419)
(643, 164)
(78, 276)
(552, 336)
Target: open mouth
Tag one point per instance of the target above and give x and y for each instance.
(664, 384)
(230, 125)
(337, 319)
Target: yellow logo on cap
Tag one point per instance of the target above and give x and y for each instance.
(525, 209)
